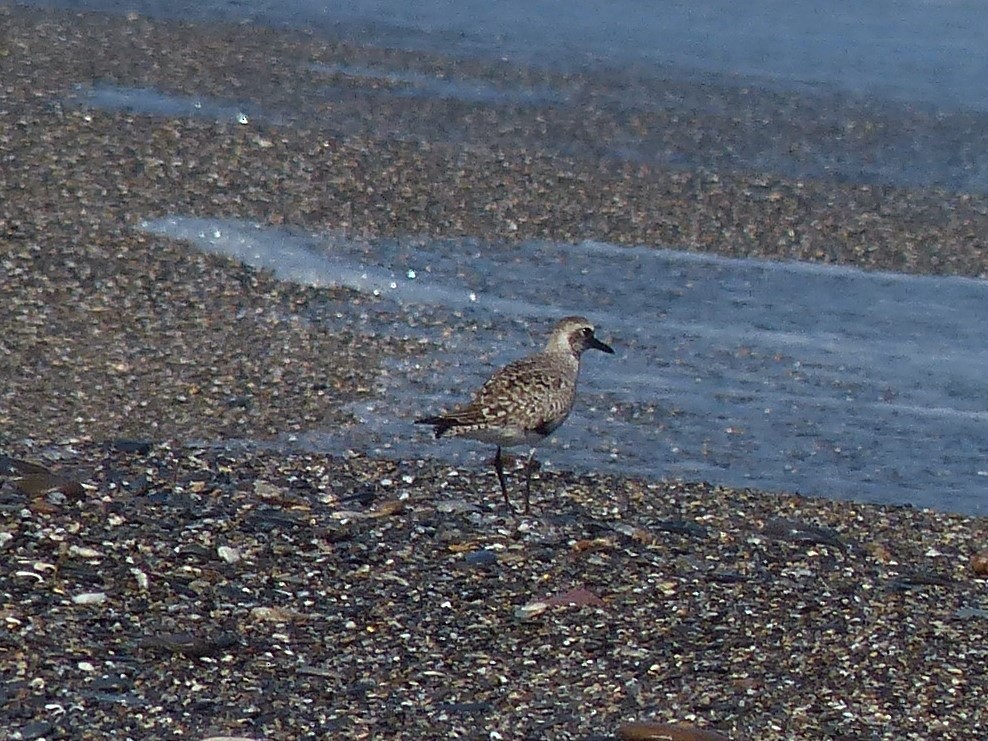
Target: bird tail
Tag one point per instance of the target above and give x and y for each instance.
(442, 424)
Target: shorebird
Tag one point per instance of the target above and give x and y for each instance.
(525, 401)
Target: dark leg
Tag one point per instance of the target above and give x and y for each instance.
(528, 480)
(499, 467)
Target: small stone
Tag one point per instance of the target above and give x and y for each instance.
(456, 506)
(39, 484)
(880, 552)
(41, 506)
(797, 531)
(137, 447)
(13, 466)
(652, 731)
(481, 557)
(192, 645)
(592, 544)
(636, 534)
(89, 598)
(668, 588)
(267, 490)
(532, 609)
(388, 508)
(979, 563)
(228, 554)
(34, 484)
(579, 597)
(274, 614)
(80, 551)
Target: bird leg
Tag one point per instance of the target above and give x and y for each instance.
(499, 467)
(528, 480)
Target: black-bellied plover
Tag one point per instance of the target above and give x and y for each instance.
(524, 402)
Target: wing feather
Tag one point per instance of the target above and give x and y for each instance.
(533, 393)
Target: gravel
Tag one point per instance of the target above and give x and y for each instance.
(161, 581)
(211, 591)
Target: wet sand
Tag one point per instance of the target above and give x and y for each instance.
(758, 615)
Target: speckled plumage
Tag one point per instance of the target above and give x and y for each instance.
(524, 402)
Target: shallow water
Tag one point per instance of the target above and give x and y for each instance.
(151, 102)
(780, 376)
(408, 84)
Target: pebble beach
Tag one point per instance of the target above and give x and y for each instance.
(163, 579)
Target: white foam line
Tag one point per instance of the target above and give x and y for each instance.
(302, 265)
(767, 265)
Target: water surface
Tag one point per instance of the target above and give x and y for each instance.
(780, 376)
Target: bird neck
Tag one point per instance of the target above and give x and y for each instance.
(560, 345)
(564, 355)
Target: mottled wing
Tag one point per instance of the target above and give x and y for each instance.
(534, 393)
